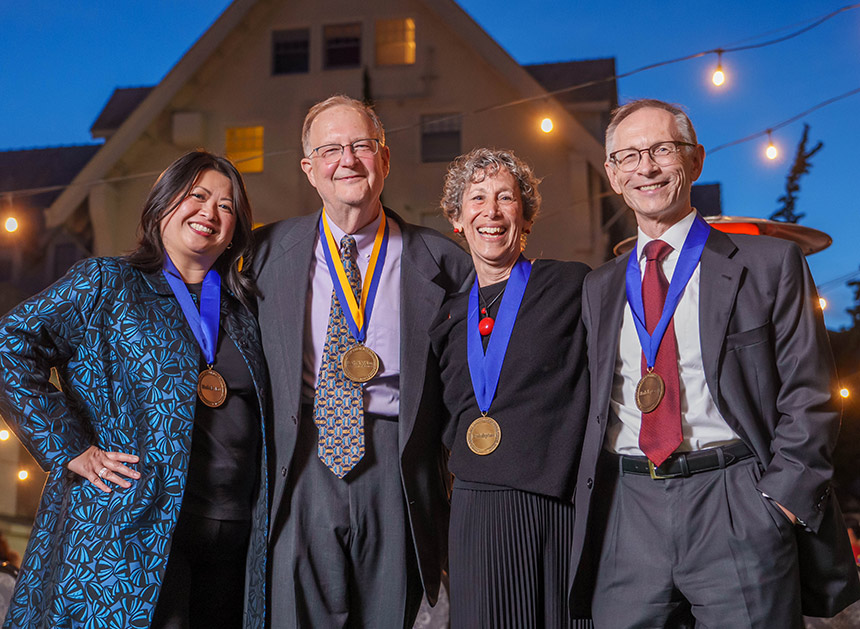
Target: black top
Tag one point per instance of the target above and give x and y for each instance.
(541, 402)
(225, 443)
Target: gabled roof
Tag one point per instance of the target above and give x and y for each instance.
(121, 103)
(159, 97)
(561, 75)
(33, 169)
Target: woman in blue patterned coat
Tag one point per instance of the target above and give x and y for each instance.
(154, 513)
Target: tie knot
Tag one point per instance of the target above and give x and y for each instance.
(347, 245)
(657, 250)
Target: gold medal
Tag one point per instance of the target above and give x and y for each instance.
(483, 435)
(649, 392)
(359, 363)
(211, 388)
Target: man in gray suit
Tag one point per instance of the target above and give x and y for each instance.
(359, 502)
(705, 474)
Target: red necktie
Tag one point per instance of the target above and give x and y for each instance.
(660, 432)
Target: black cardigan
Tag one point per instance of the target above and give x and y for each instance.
(541, 403)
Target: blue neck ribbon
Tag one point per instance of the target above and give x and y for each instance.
(688, 259)
(204, 324)
(357, 314)
(485, 369)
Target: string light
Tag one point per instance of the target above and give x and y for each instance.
(822, 303)
(11, 224)
(844, 392)
(23, 475)
(4, 435)
(546, 125)
(770, 151)
(719, 76)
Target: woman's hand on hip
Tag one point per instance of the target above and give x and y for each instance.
(99, 467)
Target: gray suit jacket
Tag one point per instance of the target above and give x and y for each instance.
(769, 369)
(431, 267)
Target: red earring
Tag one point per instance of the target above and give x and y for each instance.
(457, 230)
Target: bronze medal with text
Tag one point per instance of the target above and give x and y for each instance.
(211, 388)
(359, 363)
(483, 435)
(649, 392)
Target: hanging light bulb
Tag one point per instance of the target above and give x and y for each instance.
(822, 303)
(23, 475)
(546, 125)
(719, 77)
(844, 392)
(4, 435)
(770, 151)
(11, 224)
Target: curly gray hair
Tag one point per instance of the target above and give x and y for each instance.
(477, 165)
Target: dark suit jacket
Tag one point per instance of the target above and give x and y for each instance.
(770, 372)
(431, 266)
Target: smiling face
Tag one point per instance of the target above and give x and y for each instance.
(659, 195)
(349, 188)
(492, 221)
(201, 227)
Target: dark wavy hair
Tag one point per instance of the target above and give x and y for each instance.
(171, 188)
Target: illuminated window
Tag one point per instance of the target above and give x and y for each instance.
(395, 42)
(440, 137)
(244, 147)
(290, 51)
(342, 46)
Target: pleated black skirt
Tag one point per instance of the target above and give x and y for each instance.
(509, 556)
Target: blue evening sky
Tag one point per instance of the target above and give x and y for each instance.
(61, 60)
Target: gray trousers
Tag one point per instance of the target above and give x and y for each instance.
(710, 545)
(341, 554)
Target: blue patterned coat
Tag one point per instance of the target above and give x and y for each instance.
(128, 364)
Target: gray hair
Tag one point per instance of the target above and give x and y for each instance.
(339, 100)
(477, 165)
(685, 126)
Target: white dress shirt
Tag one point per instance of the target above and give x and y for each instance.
(702, 425)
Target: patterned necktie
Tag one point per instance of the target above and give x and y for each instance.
(338, 401)
(660, 432)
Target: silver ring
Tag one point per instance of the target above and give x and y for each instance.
(102, 472)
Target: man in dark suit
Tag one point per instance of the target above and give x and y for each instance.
(705, 475)
(359, 502)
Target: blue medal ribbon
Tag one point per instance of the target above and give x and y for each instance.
(485, 369)
(688, 259)
(204, 324)
(357, 315)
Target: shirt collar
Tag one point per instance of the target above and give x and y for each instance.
(364, 237)
(674, 236)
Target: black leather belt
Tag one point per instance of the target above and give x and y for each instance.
(686, 464)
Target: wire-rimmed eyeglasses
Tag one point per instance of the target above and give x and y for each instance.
(330, 153)
(662, 153)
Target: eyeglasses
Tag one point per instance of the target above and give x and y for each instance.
(331, 153)
(662, 153)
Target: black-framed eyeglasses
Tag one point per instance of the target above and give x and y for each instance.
(662, 153)
(330, 153)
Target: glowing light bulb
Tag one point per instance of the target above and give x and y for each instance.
(11, 224)
(719, 76)
(23, 475)
(822, 303)
(844, 392)
(4, 435)
(546, 125)
(770, 151)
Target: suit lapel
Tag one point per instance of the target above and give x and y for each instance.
(719, 281)
(420, 300)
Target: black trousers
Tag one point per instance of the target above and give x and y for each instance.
(710, 544)
(204, 584)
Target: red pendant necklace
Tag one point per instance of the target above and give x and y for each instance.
(485, 325)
